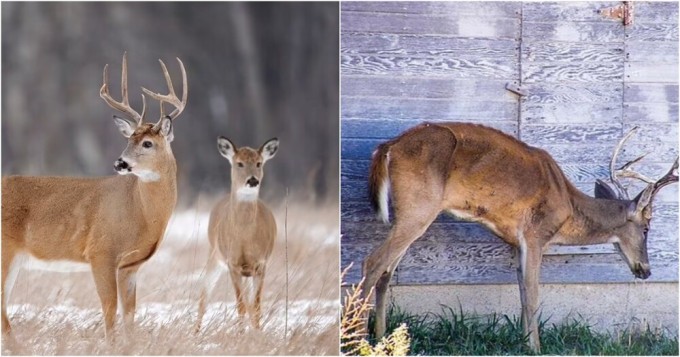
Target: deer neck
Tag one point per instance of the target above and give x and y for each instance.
(594, 220)
(158, 198)
(243, 209)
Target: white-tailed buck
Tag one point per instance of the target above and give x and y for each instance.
(113, 224)
(241, 230)
(517, 191)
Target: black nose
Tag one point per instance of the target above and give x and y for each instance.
(252, 182)
(120, 164)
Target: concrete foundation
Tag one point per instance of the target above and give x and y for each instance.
(606, 307)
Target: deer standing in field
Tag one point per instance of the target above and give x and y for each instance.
(241, 229)
(517, 191)
(113, 224)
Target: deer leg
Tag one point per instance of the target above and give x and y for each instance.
(212, 275)
(237, 281)
(381, 296)
(127, 294)
(104, 272)
(258, 282)
(380, 264)
(530, 265)
(10, 270)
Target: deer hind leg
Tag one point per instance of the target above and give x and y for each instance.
(12, 261)
(528, 277)
(127, 294)
(379, 266)
(212, 275)
(104, 272)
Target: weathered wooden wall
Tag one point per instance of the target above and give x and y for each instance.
(586, 80)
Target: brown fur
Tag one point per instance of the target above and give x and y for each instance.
(483, 175)
(112, 223)
(241, 235)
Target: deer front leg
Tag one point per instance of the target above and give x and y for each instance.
(258, 282)
(236, 280)
(528, 277)
(104, 272)
(127, 293)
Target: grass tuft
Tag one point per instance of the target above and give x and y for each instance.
(453, 332)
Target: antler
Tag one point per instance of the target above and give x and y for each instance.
(171, 97)
(647, 195)
(653, 186)
(124, 105)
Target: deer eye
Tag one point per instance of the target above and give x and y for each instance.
(147, 144)
(240, 164)
(259, 164)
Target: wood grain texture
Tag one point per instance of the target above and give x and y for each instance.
(651, 112)
(538, 135)
(569, 93)
(656, 12)
(651, 72)
(568, 113)
(429, 88)
(652, 32)
(450, 24)
(654, 52)
(493, 9)
(566, 11)
(387, 129)
(428, 46)
(425, 109)
(428, 66)
(572, 51)
(533, 72)
(650, 93)
(606, 32)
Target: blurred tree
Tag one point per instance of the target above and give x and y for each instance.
(255, 70)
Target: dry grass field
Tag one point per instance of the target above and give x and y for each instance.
(59, 313)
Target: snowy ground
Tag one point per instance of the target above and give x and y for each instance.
(59, 313)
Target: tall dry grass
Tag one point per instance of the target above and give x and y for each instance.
(60, 313)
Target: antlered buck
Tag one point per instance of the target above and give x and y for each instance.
(242, 230)
(113, 224)
(517, 191)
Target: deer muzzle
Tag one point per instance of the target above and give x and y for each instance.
(121, 166)
(642, 271)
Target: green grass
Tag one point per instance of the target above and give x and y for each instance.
(455, 333)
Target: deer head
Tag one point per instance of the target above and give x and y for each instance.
(148, 149)
(247, 166)
(630, 239)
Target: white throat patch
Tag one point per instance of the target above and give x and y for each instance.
(147, 175)
(247, 193)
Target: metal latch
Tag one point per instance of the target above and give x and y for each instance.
(623, 11)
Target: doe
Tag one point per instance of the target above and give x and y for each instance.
(242, 230)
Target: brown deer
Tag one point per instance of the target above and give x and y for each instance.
(113, 224)
(241, 229)
(518, 192)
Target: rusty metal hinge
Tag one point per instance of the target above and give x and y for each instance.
(515, 89)
(623, 11)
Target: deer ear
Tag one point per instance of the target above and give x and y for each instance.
(602, 190)
(269, 149)
(124, 126)
(226, 148)
(164, 127)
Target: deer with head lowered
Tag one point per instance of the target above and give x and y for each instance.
(241, 230)
(518, 192)
(112, 224)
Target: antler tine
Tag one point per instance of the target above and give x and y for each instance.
(171, 97)
(647, 195)
(124, 105)
(613, 173)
